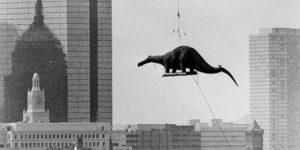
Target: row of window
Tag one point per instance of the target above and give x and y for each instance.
(56, 136)
(56, 145)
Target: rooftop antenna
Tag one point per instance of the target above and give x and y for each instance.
(39, 17)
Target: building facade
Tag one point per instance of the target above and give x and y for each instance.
(55, 135)
(207, 137)
(8, 37)
(164, 137)
(35, 132)
(84, 29)
(275, 85)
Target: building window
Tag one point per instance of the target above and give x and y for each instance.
(16, 144)
(42, 136)
(103, 144)
(33, 136)
(103, 136)
(42, 145)
(89, 136)
(37, 136)
(97, 136)
(29, 136)
(93, 136)
(70, 136)
(22, 145)
(21, 137)
(102, 128)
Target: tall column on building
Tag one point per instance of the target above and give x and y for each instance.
(275, 86)
(36, 112)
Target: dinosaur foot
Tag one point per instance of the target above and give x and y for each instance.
(179, 74)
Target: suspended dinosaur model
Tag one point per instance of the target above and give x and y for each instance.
(184, 57)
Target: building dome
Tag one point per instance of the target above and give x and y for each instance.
(35, 76)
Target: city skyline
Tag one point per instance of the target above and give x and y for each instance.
(197, 17)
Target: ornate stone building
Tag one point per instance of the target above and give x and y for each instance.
(36, 112)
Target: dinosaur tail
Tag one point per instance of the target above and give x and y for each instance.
(229, 74)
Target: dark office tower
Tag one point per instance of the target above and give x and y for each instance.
(37, 50)
(89, 56)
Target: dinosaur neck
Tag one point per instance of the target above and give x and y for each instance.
(156, 59)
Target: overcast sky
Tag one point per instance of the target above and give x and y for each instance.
(218, 29)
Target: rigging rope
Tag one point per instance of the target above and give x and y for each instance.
(212, 112)
(178, 29)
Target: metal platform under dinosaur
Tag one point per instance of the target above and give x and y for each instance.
(179, 74)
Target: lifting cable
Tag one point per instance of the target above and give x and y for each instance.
(178, 30)
(179, 33)
(212, 112)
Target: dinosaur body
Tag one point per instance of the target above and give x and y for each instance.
(184, 57)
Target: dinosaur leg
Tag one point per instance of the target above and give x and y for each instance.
(173, 70)
(192, 70)
(182, 62)
(167, 70)
(183, 69)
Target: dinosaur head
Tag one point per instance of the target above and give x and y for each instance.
(147, 60)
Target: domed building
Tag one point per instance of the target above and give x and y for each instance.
(37, 50)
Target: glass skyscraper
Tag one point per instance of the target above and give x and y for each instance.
(275, 86)
(8, 36)
(84, 29)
